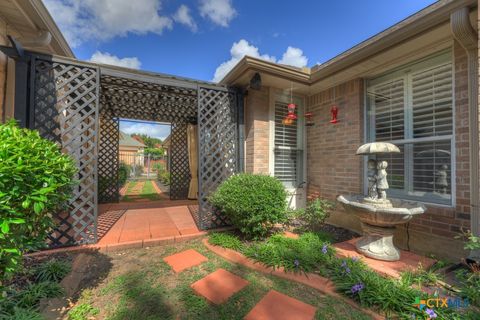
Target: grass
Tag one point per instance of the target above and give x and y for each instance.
(141, 285)
(148, 191)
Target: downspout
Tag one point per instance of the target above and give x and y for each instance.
(468, 38)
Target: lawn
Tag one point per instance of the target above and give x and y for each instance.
(147, 192)
(140, 285)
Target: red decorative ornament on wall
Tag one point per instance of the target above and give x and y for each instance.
(334, 113)
(309, 119)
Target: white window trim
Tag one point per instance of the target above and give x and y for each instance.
(283, 96)
(391, 74)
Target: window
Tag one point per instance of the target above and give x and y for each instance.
(413, 108)
(288, 148)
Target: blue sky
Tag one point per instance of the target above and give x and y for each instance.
(203, 39)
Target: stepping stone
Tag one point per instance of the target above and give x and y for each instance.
(184, 260)
(218, 286)
(277, 306)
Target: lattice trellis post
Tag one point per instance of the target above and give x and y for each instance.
(218, 148)
(108, 158)
(65, 109)
(179, 166)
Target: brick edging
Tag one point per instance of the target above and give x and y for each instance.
(315, 281)
(136, 244)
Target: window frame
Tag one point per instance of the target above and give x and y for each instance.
(283, 96)
(406, 71)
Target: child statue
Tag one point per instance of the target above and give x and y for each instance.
(381, 177)
(372, 180)
(441, 182)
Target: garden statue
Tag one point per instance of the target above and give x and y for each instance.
(381, 177)
(379, 215)
(441, 182)
(372, 179)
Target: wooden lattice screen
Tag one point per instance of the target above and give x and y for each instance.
(123, 98)
(65, 109)
(218, 148)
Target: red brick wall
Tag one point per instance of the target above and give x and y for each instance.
(332, 166)
(257, 131)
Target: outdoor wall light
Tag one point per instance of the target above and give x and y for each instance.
(334, 113)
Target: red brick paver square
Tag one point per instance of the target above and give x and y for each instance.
(184, 260)
(277, 306)
(218, 286)
(408, 260)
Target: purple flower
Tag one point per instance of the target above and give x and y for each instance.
(347, 270)
(324, 249)
(355, 259)
(296, 263)
(431, 313)
(344, 264)
(357, 288)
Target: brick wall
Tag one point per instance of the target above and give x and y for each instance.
(333, 167)
(257, 131)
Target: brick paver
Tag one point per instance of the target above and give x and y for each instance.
(277, 306)
(408, 260)
(184, 260)
(219, 286)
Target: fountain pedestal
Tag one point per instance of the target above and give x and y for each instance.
(377, 243)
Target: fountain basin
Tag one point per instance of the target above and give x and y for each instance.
(379, 223)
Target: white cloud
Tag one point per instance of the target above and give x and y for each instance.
(108, 58)
(183, 16)
(293, 56)
(154, 130)
(220, 12)
(85, 20)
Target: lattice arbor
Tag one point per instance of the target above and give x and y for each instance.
(65, 103)
(141, 100)
(218, 148)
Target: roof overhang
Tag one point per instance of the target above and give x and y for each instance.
(419, 35)
(27, 19)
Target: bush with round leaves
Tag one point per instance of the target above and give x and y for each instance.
(36, 181)
(253, 203)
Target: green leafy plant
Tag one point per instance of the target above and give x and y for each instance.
(470, 285)
(315, 214)
(52, 270)
(36, 181)
(82, 311)
(30, 297)
(21, 314)
(226, 240)
(253, 203)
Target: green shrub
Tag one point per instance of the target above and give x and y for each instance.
(253, 203)
(164, 177)
(31, 295)
(315, 214)
(35, 183)
(123, 173)
(52, 270)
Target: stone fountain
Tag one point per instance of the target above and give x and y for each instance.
(379, 215)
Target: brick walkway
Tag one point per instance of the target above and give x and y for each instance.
(126, 222)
